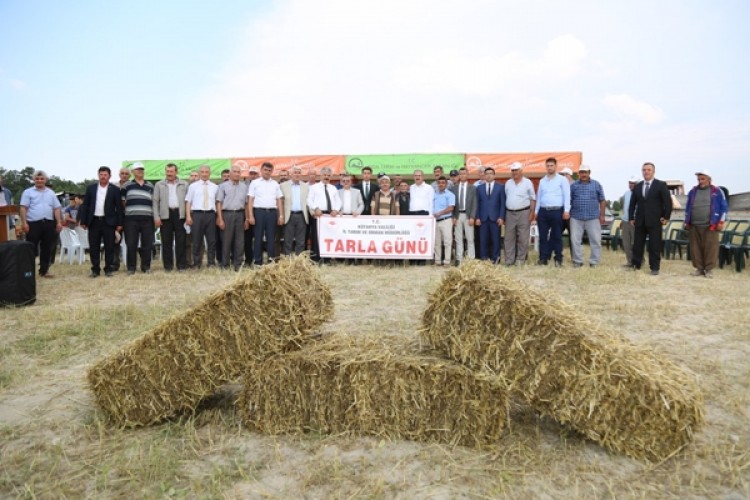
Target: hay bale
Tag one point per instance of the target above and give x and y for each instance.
(171, 368)
(624, 397)
(373, 384)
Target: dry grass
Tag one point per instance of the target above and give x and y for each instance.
(55, 443)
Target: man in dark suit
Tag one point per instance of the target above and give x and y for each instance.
(649, 210)
(367, 188)
(490, 215)
(101, 213)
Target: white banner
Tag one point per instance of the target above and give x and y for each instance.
(377, 237)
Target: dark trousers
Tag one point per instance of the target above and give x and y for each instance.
(233, 238)
(249, 244)
(295, 234)
(654, 245)
(265, 224)
(43, 234)
(173, 240)
(204, 226)
(489, 234)
(139, 228)
(100, 231)
(550, 224)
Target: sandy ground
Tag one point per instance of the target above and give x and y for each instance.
(49, 422)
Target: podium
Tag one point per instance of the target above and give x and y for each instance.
(5, 212)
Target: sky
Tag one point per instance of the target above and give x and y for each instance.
(90, 83)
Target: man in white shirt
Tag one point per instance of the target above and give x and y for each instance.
(520, 208)
(322, 199)
(264, 211)
(421, 196)
(200, 215)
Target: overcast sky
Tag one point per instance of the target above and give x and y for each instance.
(89, 83)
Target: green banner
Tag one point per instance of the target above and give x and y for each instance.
(404, 164)
(155, 168)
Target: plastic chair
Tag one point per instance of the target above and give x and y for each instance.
(534, 237)
(70, 246)
(157, 243)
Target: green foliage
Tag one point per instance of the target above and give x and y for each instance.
(17, 181)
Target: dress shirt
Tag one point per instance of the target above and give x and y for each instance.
(346, 201)
(40, 205)
(264, 193)
(172, 199)
(553, 192)
(232, 195)
(519, 196)
(625, 205)
(316, 197)
(585, 198)
(195, 195)
(101, 194)
(421, 197)
(443, 200)
(296, 191)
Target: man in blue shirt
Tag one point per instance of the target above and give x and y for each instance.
(553, 206)
(587, 206)
(41, 219)
(442, 209)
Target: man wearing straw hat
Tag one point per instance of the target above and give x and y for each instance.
(705, 214)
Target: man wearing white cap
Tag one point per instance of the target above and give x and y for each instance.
(587, 206)
(520, 203)
(627, 231)
(705, 214)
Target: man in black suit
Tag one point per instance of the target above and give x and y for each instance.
(649, 210)
(101, 213)
(367, 188)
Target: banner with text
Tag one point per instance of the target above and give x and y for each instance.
(310, 165)
(533, 163)
(154, 169)
(404, 164)
(377, 237)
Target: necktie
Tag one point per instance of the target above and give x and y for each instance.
(328, 199)
(367, 189)
(205, 196)
(462, 201)
(489, 189)
(646, 188)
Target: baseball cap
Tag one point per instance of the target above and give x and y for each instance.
(137, 165)
(634, 180)
(453, 172)
(704, 171)
(516, 166)
(585, 168)
(566, 171)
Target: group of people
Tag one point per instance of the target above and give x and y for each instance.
(239, 219)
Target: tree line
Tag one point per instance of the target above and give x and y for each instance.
(18, 180)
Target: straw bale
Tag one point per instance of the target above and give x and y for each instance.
(169, 369)
(373, 384)
(565, 366)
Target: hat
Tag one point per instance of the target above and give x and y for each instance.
(253, 170)
(634, 180)
(584, 168)
(704, 171)
(453, 172)
(515, 166)
(381, 174)
(137, 165)
(566, 171)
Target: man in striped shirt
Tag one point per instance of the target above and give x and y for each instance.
(138, 197)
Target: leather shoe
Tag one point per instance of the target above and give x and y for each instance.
(654, 272)
(93, 274)
(109, 274)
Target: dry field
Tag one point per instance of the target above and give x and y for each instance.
(54, 443)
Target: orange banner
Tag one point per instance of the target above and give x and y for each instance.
(533, 163)
(310, 165)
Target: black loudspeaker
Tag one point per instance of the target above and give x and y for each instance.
(17, 276)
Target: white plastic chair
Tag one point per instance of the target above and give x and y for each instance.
(70, 245)
(534, 237)
(157, 243)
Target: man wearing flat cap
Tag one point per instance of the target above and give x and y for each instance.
(587, 207)
(705, 214)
